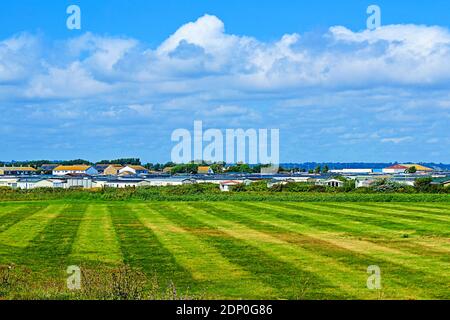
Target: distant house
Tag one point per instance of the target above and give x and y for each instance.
(33, 183)
(226, 186)
(369, 181)
(101, 167)
(17, 171)
(364, 183)
(444, 181)
(112, 170)
(82, 182)
(133, 170)
(189, 181)
(163, 182)
(405, 180)
(8, 182)
(124, 183)
(331, 183)
(58, 183)
(398, 168)
(205, 170)
(276, 182)
(75, 169)
(300, 179)
(48, 168)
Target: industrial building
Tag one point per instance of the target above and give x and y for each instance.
(17, 171)
(76, 169)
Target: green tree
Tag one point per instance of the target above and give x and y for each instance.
(169, 164)
(411, 170)
(185, 168)
(217, 167)
(423, 184)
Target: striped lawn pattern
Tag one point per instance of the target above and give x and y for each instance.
(248, 250)
(96, 240)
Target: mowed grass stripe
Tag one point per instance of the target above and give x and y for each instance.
(21, 233)
(366, 215)
(420, 210)
(9, 208)
(96, 239)
(353, 252)
(18, 214)
(339, 221)
(206, 265)
(409, 213)
(284, 250)
(258, 215)
(369, 215)
(435, 208)
(51, 248)
(324, 243)
(329, 270)
(317, 218)
(289, 281)
(403, 214)
(141, 249)
(346, 215)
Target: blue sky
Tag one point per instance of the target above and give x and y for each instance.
(137, 70)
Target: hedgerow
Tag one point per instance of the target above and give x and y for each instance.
(210, 192)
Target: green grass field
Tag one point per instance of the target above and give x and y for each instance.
(232, 250)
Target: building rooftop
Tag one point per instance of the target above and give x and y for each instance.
(136, 167)
(397, 166)
(18, 169)
(72, 168)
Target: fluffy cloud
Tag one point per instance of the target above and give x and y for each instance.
(74, 81)
(201, 57)
(382, 87)
(19, 56)
(397, 140)
(102, 53)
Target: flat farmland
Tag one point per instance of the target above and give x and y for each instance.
(230, 250)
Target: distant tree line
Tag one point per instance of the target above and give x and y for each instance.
(123, 161)
(39, 163)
